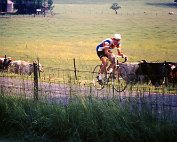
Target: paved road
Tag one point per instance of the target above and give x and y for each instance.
(61, 93)
(55, 91)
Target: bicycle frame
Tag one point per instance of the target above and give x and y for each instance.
(117, 78)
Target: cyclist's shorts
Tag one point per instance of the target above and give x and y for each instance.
(101, 54)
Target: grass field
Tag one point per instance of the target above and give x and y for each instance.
(148, 31)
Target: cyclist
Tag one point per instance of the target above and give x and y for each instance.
(104, 51)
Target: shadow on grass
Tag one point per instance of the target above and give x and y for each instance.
(171, 5)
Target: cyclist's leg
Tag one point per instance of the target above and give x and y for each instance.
(98, 85)
(112, 65)
(102, 67)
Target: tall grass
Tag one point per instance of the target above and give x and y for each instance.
(83, 119)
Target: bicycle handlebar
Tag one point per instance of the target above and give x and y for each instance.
(125, 58)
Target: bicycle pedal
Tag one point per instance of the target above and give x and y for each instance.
(99, 81)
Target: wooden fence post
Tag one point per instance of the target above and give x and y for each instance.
(38, 66)
(75, 71)
(35, 66)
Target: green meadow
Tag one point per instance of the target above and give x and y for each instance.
(74, 31)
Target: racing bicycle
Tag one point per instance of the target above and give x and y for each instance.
(117, 79)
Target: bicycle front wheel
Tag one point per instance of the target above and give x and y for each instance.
(95, 74)
(120, 79)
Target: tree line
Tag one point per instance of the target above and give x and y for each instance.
(28, 6)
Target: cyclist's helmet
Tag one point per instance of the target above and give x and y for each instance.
(117, 36)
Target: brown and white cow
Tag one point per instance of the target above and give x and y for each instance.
(171, 72)
(22, 67)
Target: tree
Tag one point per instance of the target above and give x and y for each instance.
(30, 6)
(3, 5)
(115, 7)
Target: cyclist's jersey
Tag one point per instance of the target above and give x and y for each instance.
(107, 43)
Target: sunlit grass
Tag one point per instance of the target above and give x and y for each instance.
(76, 29)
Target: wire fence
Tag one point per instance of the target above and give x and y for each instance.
(59, 85)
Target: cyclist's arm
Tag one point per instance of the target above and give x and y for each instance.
(107, 52)
(119, 52)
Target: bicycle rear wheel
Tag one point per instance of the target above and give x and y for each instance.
(120, 79)
(95, 74)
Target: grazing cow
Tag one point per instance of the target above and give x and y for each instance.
(131, 69)
(5, 62)
(171, 13)
(22, 67)
(158, 73)
(155, 72)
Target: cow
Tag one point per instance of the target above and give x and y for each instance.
(158, 73)
(174, 74)
(22, 67)
(153, 72)
(130, 69)
(171, 13)
(134, 73)
(4, 63)
(171, 72)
